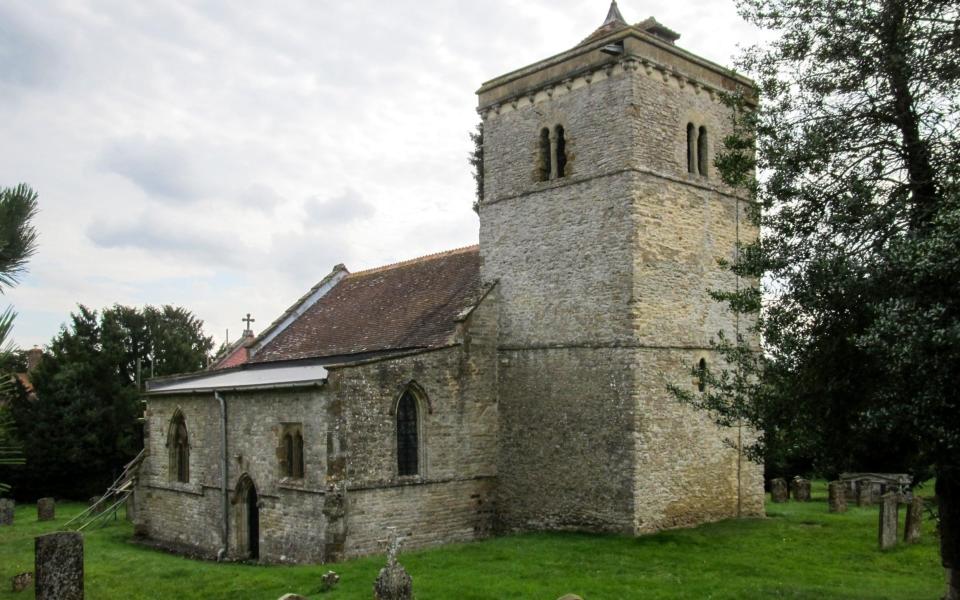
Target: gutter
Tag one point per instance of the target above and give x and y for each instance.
(239, 388)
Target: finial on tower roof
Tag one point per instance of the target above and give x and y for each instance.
(614, 16)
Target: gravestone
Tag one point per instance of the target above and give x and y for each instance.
(778, 490)
(93, 503)
(328, 581)
(393, 582)
(46, 509)
(292, 597)
(801, 489)
(570, 597)
(59, 566)
(6, 511)
(837, 493)
(21, 582)
(868, 493)
(889, 509)
(911, 529)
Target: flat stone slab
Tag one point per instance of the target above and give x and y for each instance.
(59, 566)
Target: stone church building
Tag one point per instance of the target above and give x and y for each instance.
(515, 385)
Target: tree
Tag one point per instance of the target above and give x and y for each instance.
(83, 425)
(476, 161)
(18, 237)
(856, 143)
(18, 242)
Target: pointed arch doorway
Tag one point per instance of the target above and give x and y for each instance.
(247, 503)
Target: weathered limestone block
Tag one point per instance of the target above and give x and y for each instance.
(911, 528)
(570, 597)
(778, 490)
(7, 506)
(59, 566)
(801, 489)
(292, 597)
(889, 509)
(46, 509)
(22, 581)
(837, 493)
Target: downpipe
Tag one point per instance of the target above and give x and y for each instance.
(225, 526)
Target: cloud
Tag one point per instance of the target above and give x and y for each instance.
(27, 57)
(160, 167)
(167, 237)
(338, 210)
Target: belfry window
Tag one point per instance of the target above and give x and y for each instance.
(408, 435)
(545, 154)
(702, 156)
(178, 445)
(552, 154)
(691, 148)
(561, 151)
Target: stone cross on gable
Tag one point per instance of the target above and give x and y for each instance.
(248, 320)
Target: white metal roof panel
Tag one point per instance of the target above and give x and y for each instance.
(264, 377)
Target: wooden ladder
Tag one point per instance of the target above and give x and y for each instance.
(116, 496)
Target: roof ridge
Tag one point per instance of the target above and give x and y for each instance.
(410, 261)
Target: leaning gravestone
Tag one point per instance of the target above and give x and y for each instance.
(837, 494)
(801, 489)
(778, 490)
(59, 566)
(911, 529)
(6, 511)
(46, 509)
(889, 509)
(393, 582)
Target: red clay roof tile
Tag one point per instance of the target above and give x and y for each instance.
(407, 305)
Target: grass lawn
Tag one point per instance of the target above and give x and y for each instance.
(799, 551)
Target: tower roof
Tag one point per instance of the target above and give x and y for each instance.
(613, 22)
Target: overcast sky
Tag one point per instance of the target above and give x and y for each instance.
(224, 155)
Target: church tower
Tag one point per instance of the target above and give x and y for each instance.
(602, 221)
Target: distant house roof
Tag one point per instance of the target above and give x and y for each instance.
(236, 354)
(409, 305)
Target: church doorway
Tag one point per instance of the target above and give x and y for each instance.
(247, 503)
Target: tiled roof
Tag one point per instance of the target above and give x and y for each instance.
(407, 305)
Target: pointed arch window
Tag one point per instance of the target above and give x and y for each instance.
(408, 435)
(178, 445)
(691, 148)
(545, 167)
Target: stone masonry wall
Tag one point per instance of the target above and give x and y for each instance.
(566, 443)
(189, 514)
(688, 470)
(450, 498)
(604, 278)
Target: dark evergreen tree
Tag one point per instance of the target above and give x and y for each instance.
(83, 426)
(856, 141)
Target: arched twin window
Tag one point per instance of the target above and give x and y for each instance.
(552, 153)
(408, 435)
(292, 451)
(698, 160)
(178, 446)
